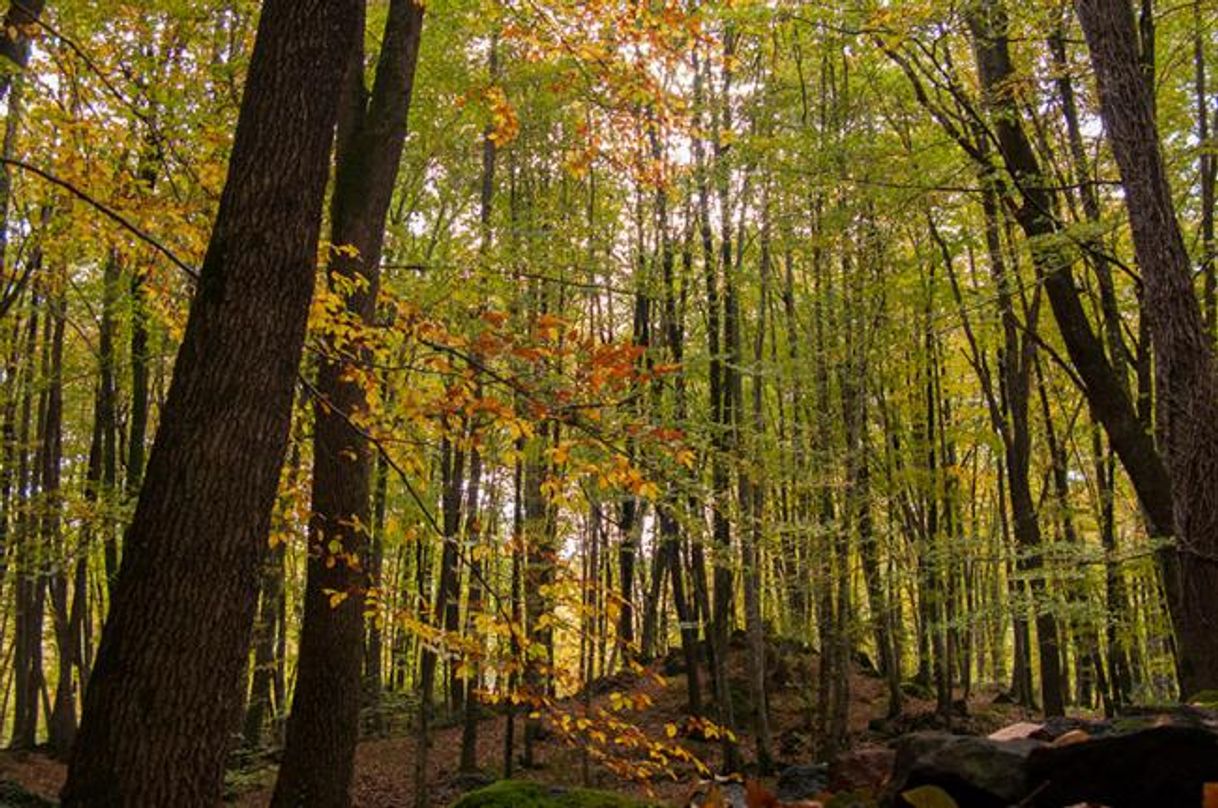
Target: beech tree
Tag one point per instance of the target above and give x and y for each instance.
(324, 725)
(162, 696)
(1184, 354)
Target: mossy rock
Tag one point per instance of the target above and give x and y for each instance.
(525, 794)
(1205, 698)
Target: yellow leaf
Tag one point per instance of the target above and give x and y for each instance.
(929, 797)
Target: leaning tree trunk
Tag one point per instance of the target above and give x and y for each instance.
(1184, 359)
(160, 704)
(323, 728)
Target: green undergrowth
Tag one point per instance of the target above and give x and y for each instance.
(524, 794)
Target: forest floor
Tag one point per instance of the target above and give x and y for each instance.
(384, 767)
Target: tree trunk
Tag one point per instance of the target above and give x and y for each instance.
(323, 727)
(1184, 358)
(160, 702)
(61, 723)
(25, 673)
(22, 20)
(452, 469)
(752, 506)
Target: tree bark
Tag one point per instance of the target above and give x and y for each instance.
(323, 728)
(20, 26)
(160, 703)
(61, 723)
(1183, 352)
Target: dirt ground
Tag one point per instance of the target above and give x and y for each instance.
(384, 767)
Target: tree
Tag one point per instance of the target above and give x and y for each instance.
(324, 725)
(160, 704)
(20, 23)
(1184, 358)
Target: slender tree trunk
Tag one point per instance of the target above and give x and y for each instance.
(452, 470)
(752, 505)
(25, 674)
(323, 728)
(266, 630)
(470, 679)
(515, 585)
(61, 723)
(374, 637)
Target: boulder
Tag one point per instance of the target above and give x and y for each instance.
(1059, 726)
(1020, 729)
(977, 772)
(865, 768)
(802, 782)
(1167, 765)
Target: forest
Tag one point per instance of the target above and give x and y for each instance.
(608, 403)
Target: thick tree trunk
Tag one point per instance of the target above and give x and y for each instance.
(323, 727)
(160, 703)
(1184, 357)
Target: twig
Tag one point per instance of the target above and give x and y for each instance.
(107, 211)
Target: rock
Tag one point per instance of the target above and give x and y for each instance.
(1005, 697)
(1056, 727)
(1072, 737)
(907, 751)
(1166, 765)
(865, 768)
(1020, 729)
(976, 772)
(802, 782)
